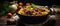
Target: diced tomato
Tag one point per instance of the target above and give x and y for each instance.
(20, 4)
(9, 14)
(24, 10)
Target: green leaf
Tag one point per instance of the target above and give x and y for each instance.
(32, 4)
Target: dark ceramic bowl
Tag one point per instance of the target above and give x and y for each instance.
(33, 19)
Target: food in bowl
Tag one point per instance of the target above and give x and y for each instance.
(33, 10)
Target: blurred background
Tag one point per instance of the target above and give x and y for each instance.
(10, 6)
